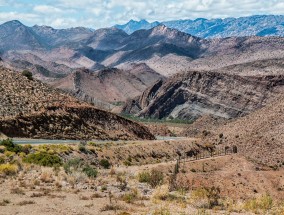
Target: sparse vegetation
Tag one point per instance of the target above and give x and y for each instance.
(43, 159)
(105, 163)
(206, 197)
(8, 169)
(259, 205)
(90, 171)
(27, 74)
(10, 146)
(153, 178)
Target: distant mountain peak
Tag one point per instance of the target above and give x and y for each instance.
(13, 22)
(264, 25)
(133, 25)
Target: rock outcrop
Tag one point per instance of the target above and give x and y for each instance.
(192, 94)
(29, 108)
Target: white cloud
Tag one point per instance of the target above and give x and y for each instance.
(105, 13)
(47, 9)
(24, 17)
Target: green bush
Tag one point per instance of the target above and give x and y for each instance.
(82, 148)
(27, 74)
(105, 163)
(2, 160)
(10, 146)
(90, 171)
(153, 178)
(73, 165)
(43, 159)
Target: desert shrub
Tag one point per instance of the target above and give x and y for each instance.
(111, 207)
(43, 159)
(2, 148)
(206, 197)
(73, 165)
(8, 169)
(55, 149)
(144, 177)
(105, 163)
(2, 160)
(78, 165)
(82, 148)
(10, 146)
(131, 196)
(90, 171)
(259, 205)
(162, 211)
(153, 178)
(121, 179)
(27, 74)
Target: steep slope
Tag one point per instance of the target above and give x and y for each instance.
(29, 108)
(258, 135)
(109, 85)
(192, 94)
(106, 39)
(16, 36)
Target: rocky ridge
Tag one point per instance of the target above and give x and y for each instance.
(31, 109)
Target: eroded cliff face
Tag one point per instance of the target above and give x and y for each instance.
(193, 94)
(29, 108)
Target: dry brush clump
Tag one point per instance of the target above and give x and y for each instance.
(154, 178)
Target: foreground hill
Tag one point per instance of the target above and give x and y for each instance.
(258, 135)
(190, 95)
(29, 108)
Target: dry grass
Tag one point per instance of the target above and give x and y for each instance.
(26, 202)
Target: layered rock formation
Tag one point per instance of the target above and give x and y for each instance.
(192, 94)
(29, 108)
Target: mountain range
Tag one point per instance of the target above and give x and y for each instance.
(108, 67)
(260, 25)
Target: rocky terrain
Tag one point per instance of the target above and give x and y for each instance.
(109, 85)
(60, 56)
(190, 95)
(258, 135)
(111, 178)
(261, 25)
(29, 108)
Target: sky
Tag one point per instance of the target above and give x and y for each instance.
(105, 13)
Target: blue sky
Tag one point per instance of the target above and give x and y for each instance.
(106, 13)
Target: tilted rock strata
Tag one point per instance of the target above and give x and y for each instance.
(192, 94)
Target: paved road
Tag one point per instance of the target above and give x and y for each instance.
(42, 141)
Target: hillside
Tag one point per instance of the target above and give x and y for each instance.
(258, 135)
(29, 108)
(109, 85)
(192, 94)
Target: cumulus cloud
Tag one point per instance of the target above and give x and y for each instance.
(46, 9)
(105, 13)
